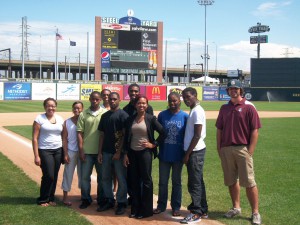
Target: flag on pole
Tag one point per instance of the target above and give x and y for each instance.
(58, 37)
(72, 43)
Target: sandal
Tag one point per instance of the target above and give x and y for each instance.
(176, 213)
(52, 203)
(157, 211)
(44, 204)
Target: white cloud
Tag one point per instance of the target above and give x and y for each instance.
(268, 9)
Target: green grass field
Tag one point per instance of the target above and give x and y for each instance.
(277, 167)
(65, 106)
(18, 200)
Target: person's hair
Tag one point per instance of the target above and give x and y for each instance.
(77, 102)
(175, 94)
(193, 91)
(105, 89)
(95, 93)
(115, 93)
(49, 99)
(133, 85)
(138, 97)
(242, 92)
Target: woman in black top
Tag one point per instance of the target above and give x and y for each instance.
(140, 145)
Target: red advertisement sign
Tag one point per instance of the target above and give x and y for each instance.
(114, 88)
(156, 92)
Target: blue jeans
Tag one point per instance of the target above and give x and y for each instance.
(91, 160)
(120, 171)
(164, 174)
(196, 186)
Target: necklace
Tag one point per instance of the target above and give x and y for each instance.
(138, 120)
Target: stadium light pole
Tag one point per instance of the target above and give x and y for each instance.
(205, 3)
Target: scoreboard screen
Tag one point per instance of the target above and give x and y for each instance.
(129, 40)
(128, 56)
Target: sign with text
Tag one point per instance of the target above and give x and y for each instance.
(87, 89)
(211, 93)
(149, 41)
(17, 91)
(109, 39)
(223, 96)
(1, 91)
(156, 92)
(114, 88)
(41, 91)
(177, 89)
(68, 91)
(259, 39)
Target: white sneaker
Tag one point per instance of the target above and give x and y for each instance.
(256, 219)
(233, 212)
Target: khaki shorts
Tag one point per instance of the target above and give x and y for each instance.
(237, 164)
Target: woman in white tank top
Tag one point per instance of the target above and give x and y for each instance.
(71, 154)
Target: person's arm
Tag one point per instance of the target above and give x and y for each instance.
(101, 138)
(35, 146)
(65, 143)
(194, 141)
(219, 137)
(119, 146)
(80, 145)
(253, 141)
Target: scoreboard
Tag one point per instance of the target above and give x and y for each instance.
(128, 43)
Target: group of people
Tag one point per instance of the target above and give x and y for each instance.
(121, 144)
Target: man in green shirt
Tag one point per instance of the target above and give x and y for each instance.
(88, 141)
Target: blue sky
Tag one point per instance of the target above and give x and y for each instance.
(227, 28)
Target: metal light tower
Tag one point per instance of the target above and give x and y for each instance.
(205, 3)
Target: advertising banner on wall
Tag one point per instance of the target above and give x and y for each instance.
(105, 58)
(1, 90)
(149, 41)
(223, 96)
(17, 91)
(68, 91)
(211, 93)
(41, 91)
(114, 88)
(109, 39)
(87, 89)
(177, 89)
(199, 92)
(156, 92)
(125, 91)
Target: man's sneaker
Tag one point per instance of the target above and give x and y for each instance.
(256, 219)
(233, 212)
(84, 204)
(106, 206)
(120, 209)
(203, 215)
(191, 218)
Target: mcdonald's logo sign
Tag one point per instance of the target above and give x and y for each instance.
(155, 90)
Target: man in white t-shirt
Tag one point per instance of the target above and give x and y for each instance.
(195, 148)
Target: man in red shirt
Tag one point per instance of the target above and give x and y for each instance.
(237, 134)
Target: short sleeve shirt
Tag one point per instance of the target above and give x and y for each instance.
(171, 150)
(87, 123)
(237, 122)
(112, 124)
(196, 116)
(50, 133)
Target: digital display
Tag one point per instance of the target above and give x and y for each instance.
(129, 40)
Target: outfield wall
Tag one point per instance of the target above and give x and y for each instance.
(74, 91)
